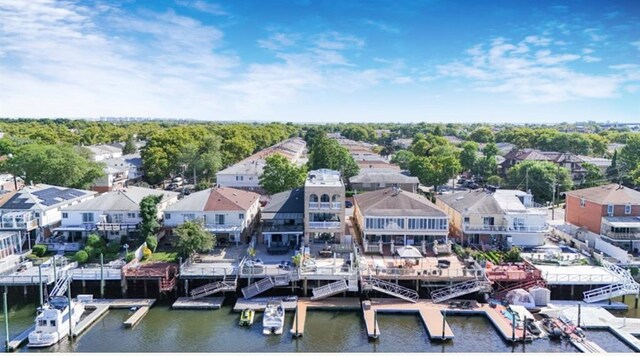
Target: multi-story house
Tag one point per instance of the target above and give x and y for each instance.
(500, 217)
(392, 217)
(113, 214)
(11, 243)
(226, 212)
(35, 210)
(369, 180)
(283, 219)
(324, 195)
(612, 211)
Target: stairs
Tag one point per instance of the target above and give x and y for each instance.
(213, 288)
(267, 283)
(391, 289)
(329, 289)
(627, 285)
(457, 290)
(167, 285)
(61, 286)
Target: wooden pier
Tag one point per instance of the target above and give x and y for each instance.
(98, 312)
(329, 303)
(430, 313)
(258, 304)
(20, 339)
(200, 303)
(122, 303)
(136, 317)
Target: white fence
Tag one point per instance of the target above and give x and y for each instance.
(616, 252)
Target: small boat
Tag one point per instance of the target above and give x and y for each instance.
(533, 328)
(273, 320)
(246, 317)
(552, 329)
(52, 322)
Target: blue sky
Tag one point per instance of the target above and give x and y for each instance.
(322, 61)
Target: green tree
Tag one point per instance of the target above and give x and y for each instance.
(129, 145)
(328, 153)
(490, 149)
(81, 256)
(469, 155)
(482, 135)
(612, 171)
(192, 238)
(420, 146)
(436, 169)
(149, 214)
(629, 157)
(543, 177)
(495, 181)
(312, 134)
(402, 158)
(280, 175)
(592, 177)
(60, 165)
(236, 148)
(486, 166)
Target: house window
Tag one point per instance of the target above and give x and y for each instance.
(240, 178)
(241, 216)
(117, 218)
(219, 219)
(65, 215)
(87, 217)
(189, 217)
(583, 202)
(627, 209)
(610, 209)
(466, 220)
(167, 216)
(131, 215)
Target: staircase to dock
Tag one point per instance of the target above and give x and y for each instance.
(61, 286)
(330, 289)
(389, 288)
(267, 283)
(227, 285)
(627, 285)
(457, 290)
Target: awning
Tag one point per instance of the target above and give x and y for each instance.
(408, 252)
(70, 228)
(630, 224)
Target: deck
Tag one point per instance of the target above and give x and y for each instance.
(430, 314)
(121, 303)
(200, 303)
(136, 317)
(98, 312)
(20, 339)
(304, 304)
(258, 304)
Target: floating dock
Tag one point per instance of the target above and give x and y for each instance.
(200, 303)
(98, 312)
(122, 303)
(258, 304)
(304, 304)
(430, 314)
(136, 317)
(20, 339)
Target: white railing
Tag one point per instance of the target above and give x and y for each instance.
(527, 228)
(372, 247)
(417, 271)
(573, 278)
(314, 205)
(336, 205)
(324, 224)
(26, 280)
(329, 289)
(468, 227)
(457, 290)
(31, 224)
(325, 205)
(606, 292)
(93, 274)
(223, 227)
(393, 289)
(195, 270)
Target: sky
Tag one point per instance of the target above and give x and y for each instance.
(322, 61)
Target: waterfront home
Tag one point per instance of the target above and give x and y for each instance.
(11, 243)
(246, 173)
(371, 180)
(283, 219)
(612, 211)
(496, 217)
(113, 214)
(393, 217)
(103, 152)
(324, 195)
(226, 212)
(35, 210)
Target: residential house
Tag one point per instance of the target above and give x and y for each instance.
(119, 172)
(403, 143)
(393, 217)
(103, 152)
(35, 210)
(9, 183)
(283, 218)
(11, 243)
(380, 179)
(611, 210)
(132, 163)
(499, 217)
(112, 214)
(227, 212)
(246, 173)
(324, 195)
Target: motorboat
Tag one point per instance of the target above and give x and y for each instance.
(273, 320)
(552, 329)
(246, 317)
(52, 322)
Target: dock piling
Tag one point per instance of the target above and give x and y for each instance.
(40, 285)
(101, 275)
(375, 322)
(6, 320)
(444, 322)
(579, 309)
(636, 301)
(70, 310)
(513, 327)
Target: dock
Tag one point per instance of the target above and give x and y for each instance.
(304, 304)
(430, 314)
(122, 303)
(200, 303)
(258, 304)
(98, 312)
(136, 317)
(20, 339)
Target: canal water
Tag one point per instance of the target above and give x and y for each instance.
(163, 329)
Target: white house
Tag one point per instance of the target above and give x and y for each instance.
(36, 209)
(102, 152)
(226, 212)
(113, 214)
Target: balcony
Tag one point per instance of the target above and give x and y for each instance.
(325, 205)
(223, 227)
(501, 228)
(116, 226)
(324, 224)
(625, 236)
(19, 225)
(283, 228)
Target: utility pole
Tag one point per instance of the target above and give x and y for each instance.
(526, 180)
(194, 177)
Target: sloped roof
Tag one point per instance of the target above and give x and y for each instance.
(385, 203)
(42, 196)
(216, 199)
(486, 202)
(290, 202)
(127, 199)
(389, 177)
(608, 194)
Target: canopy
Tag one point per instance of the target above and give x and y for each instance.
(408, 252)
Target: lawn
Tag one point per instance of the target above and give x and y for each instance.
(162, 256)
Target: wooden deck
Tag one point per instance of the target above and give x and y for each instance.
(258, 304)
(17, 341)
(136, 317)
(430, 313)
(200, 303)
(121, 303)
(304, 304)
(98, 312)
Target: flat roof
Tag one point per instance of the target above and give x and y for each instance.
(579, 275)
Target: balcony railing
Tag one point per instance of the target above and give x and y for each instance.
(324, 224)
(325, 205)
(621, 235)
(282, 228)
(223, 227)
(116, 226)
(484, 228)
(502, 228)
(19, 225)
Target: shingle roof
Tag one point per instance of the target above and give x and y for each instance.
(385, 203)
(216, 199)
(485, 202)
(290, 202)
(127, 199)
(608, 194)
(43, 196)
(383, 177)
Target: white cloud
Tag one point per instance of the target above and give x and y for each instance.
(594, 34)
(591, 59)
(542, 76)
(337, 41)
(203, 6)
(537, 40)
(636, 44)
(278, 41)
(587, 50)
(381, 25)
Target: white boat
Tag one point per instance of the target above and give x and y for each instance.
(273, 320)
(52, 322)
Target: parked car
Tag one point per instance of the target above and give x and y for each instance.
(256, 262)
(286, 265)
(348, 204)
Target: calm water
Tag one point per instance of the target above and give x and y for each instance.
(164, 329)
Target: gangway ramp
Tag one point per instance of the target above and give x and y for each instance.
(457, 290)
(330, 289)
(391, 289)
(267, 283)
(213, 288)
(626, 285)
